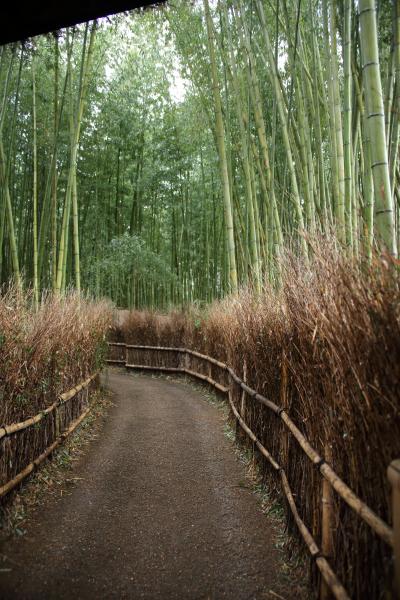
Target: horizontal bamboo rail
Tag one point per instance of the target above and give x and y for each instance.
(14, 428)
(379, 526)
(10, 485)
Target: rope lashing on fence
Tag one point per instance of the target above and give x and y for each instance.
(16, 427)
(342, 489)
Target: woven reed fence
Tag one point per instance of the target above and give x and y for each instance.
(241, 399)
(25, 445)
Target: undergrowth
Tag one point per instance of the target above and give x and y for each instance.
(44, 353)
(47, 351)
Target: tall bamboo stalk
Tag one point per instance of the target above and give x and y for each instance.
(76, 126)
(220, 135)
(347, 122)
(240, 111)
(54, 171)
(35, 189)
(384, 216)
(273, 75)
(5, 184)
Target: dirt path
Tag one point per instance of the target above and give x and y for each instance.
(161, 512)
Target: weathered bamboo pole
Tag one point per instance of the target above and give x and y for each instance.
(217, 385)
(394, 478)
(154, 368)
(243, 397)
(284, 404)
(326, 528)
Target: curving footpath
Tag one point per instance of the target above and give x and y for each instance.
(160, 510)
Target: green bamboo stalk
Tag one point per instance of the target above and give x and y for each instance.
(366, 171)
(273, 75)
(384, 216)
(256, 101)
(5, 184)
(250, 201)
(347, 121)
(49, 211)
(220, 134)
(340, 208)
(76, 126)
(35, 188)
(54, 171)
(394, 115)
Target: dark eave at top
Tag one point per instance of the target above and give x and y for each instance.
(23, 19)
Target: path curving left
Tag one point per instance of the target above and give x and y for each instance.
(161, 510)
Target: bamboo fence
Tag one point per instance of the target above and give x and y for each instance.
(25, 445)
(224, 379)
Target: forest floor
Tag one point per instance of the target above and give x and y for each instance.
(160, 508)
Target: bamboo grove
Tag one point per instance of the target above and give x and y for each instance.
(174, 154)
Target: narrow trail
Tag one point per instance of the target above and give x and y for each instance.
(162, 510)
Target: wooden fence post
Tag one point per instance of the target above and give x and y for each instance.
(242, 410)
(326, 526)
(394, 478)
(243, 399)
(285, 405)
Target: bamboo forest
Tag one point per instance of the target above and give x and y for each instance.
(173, 155)
(199, 288)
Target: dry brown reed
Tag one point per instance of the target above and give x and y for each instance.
(326, 347)
(44, 353)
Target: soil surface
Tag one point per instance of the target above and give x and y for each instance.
(160, 510)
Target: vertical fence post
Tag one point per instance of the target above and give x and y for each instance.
(242, 410)
(126, 354)
(326, 526)
(231, 399)
(284, 404)
(243, 399)
(56, 420)
(394, 479)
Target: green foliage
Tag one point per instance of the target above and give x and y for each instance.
(128, 254)
(149, 223)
